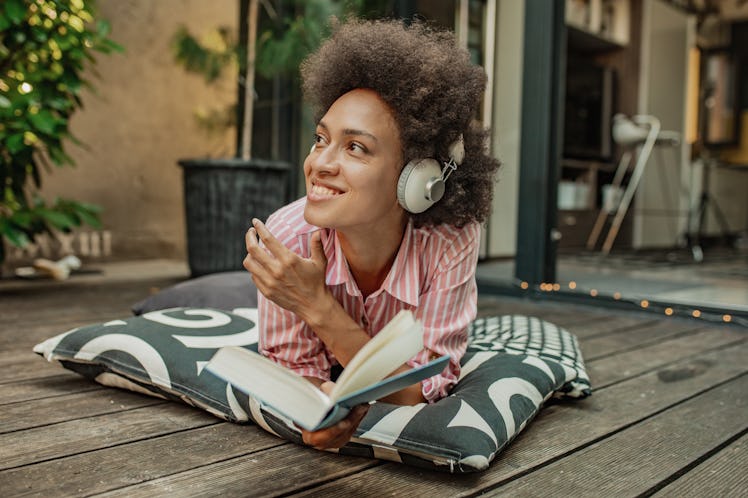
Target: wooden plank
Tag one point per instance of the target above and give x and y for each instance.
(40, 412)
(46, 387)
(605, 371)
(25, 366)
(91, 433)
(635, 460)
(111, 468)
(600, 346)
(29, 305)
(37, 309)
(266, 473)
(581, 321)
(723, 475)
(25, 336)
(612, 324)
(492, 305)
(558, 430)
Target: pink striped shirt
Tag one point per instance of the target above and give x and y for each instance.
(433, 275)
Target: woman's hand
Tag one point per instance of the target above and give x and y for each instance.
(339, 434)
(284, 277)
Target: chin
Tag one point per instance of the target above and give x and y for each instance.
(314, 217)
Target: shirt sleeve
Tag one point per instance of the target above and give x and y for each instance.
(446, 308)
(283, 336)
(288, 341)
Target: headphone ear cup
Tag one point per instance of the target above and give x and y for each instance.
(413, 190)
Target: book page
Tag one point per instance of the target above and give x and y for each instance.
(282, 389)
(395, 383)
(396, 343)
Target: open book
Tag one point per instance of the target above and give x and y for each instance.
(363, 380)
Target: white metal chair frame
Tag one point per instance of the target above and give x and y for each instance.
(639, 132)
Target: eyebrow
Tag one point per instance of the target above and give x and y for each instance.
(351, 131)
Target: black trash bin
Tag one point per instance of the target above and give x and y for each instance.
(221, 196)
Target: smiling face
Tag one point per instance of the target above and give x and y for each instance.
(352, 171)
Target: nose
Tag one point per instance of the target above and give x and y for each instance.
(323, 160)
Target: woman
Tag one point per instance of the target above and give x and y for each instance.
(374, 235)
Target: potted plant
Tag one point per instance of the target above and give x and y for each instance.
(222, 195)
(43, 49)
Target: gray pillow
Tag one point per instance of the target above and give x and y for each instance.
(223, 291)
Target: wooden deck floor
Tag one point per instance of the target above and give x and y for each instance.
(668, 417)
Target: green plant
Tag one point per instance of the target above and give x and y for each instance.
(44, 48)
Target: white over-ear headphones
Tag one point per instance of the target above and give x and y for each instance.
(421, 182)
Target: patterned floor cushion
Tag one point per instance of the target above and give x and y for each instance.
(513, 364)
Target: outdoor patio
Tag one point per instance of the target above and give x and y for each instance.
(667, 417)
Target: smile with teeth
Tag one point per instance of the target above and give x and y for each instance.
(322, 191)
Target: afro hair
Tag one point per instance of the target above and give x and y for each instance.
(434, 92)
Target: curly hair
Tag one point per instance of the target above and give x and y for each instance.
(434, 92)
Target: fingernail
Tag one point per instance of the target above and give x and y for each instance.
(255, 221)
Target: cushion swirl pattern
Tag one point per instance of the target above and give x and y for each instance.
(513, 364)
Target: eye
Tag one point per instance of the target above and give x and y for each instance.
(318, 139)
(357, 148)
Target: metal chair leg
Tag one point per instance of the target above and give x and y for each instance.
(597, 229)
(641, 162)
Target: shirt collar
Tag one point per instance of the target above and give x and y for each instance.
(403, 279)
(337, 272)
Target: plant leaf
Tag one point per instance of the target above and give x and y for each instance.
(58, 220)
(43, 121)
(15, 236)
(15, 143)
(15, 10)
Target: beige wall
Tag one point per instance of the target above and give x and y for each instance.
(140, 122)
(660, 208)
(506, 126)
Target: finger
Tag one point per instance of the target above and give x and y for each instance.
(339, 434)
(250, 238)
(273, 245)
(253, 266)
(322, 438)
(359, 412)
(332, 437)
(317, 250)
(257, 259)
(346, 428)
(262, 259)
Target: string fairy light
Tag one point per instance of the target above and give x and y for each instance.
(668, 309)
